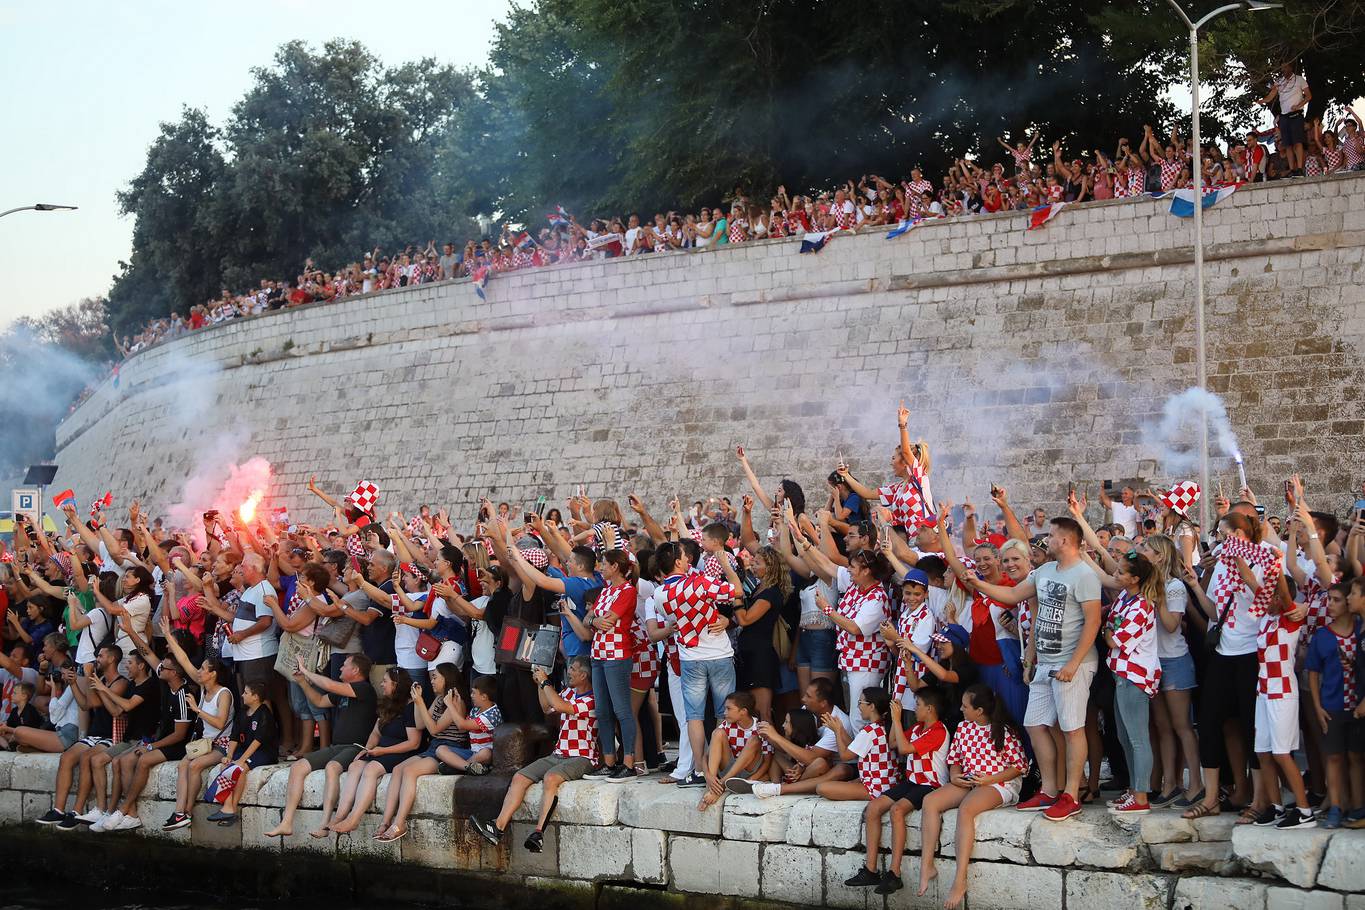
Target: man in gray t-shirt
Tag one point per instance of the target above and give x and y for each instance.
(1059, 617)
(1066, 622)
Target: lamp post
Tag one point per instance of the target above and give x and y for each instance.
(38, 207)
(1250, 6)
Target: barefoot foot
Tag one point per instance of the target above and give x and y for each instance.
(956, 896)
(926, 875)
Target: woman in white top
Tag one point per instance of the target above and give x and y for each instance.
(300, 618)
(214, 707)
(1176, 741)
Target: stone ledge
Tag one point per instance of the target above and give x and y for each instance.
(787, 850)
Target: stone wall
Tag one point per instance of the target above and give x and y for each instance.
(788, 850)
(1028, 358)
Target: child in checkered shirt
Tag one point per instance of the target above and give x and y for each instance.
(1277, 714)
(925, 749)
(736, 746)
(1336, 693)
(1132, 658)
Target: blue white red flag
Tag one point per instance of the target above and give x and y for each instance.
(1044, 213)
(904, 227)
(558, 218)
(65, 498)
(480, 276)
(1182, 201)
(814, 241)
(523, 241)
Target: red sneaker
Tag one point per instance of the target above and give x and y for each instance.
(1130, 806)
(1037, 802)
(1062, 809)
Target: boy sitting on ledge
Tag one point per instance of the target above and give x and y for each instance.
(576, 752)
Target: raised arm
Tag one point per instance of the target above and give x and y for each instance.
(1076, 506)
(763, 497)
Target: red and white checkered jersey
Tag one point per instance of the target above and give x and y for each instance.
(906, 499)
(878, 768)
(739, 230)
(1132, 623)
(691, 600)
(1353, 149)
(645, 669)
(927, 763)
(974, 751)
(1021, 159)
(619, 643)
(864, 652)
(1266, 562)
(1137, 181)
(1312, 166)
(916, 625)
(577, 731)
(482, 737)
(1275, 645)
(737, 737)
(1333, 159)
(1170, 173)
(844, 214)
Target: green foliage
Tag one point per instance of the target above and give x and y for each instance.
(608, 108)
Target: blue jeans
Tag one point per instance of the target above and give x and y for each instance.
(700, 676)
(1132, 707)
(815, 650)
(611, 693)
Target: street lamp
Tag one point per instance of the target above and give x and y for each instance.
(1251, 6)
(38, 207)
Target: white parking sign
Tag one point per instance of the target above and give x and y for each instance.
(25, 502)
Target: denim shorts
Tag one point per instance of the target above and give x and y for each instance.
(1177, 673)
(303, 708)
(67, 734)
(700, 677)
(815, 650)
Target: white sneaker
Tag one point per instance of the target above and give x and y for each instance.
(108, 823)
(91, 817)
(128, 823)
(767, 790)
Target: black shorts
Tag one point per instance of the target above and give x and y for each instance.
(911, 793)
(1291, 130)
(173, 752)
(257, 670)
(1345, 733)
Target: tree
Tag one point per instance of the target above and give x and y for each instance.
(176, 232)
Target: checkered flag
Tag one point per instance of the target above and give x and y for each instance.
(1182, 497)
(364, 496)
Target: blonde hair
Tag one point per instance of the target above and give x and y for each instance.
(774, 574)
(1168, 557)
(606, 510)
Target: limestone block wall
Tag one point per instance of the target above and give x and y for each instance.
(1028, 358)
(786, 851)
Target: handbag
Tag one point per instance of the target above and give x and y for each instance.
(294, 646)
(428, 646)
(198, 747)
(1215, 633)
(337, 631)
(782, 639)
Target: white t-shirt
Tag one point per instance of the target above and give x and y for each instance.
(828, 741)
(1172, 644)
(100, 625)
(481, 642)
(1291, 92)
(1126, 516)
(266, 644)
(139, 609)
(63, 710)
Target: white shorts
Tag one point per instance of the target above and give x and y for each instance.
(1051, 701)
(1009, 791)
(1277, 725)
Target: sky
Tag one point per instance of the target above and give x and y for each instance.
(91, 82)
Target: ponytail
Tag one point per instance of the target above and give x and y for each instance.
(984, 697)
(880, 700)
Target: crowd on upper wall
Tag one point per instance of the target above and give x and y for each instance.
(1025, 177)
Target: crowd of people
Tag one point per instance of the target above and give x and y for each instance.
(871, 643)
(1024, 178)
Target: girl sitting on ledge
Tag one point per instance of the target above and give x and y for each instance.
(394, 738)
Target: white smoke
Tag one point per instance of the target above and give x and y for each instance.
(1175, 437)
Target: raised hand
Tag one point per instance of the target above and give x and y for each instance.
(902, 416)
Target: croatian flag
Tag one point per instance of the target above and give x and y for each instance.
(481, 275)
(1043, 214)
(65, 498)
(558, 218)
(814, 241)
(903, 228)
(102, 503)
(116, 366)
(1182, 201)
(523, 241)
